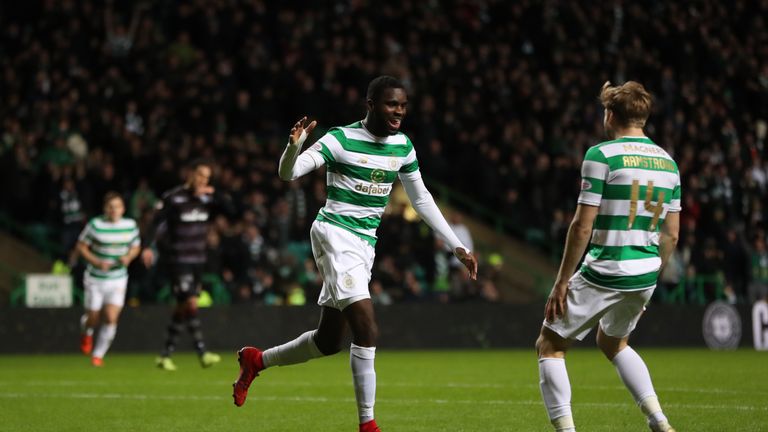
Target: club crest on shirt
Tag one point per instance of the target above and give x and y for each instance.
(378, 176)
(393, 164)
(348, 281)
(362, 160)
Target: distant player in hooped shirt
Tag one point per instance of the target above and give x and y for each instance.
(627, 218)
(363, 161)
(109, 243)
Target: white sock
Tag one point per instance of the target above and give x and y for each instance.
(637, 379)
(83, 328)
(651, 407)
(556, 391)
(564, 424)
(364, 377)
(299, 350)
(104, 340)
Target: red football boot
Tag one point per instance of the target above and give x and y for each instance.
(250, 366)
(369, 427)
(86, 344)
(97, 361)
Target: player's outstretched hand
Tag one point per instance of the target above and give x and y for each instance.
(125, 260)
(556, 303)
(204, 190)
(147, 257)
(299, 131)
(469, 261)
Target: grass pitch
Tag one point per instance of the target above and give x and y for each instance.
(417, 391)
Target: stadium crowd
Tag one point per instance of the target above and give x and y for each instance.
(120, 95)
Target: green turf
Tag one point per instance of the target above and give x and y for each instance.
(417, 391)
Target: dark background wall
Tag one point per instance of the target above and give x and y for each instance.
(411, 326)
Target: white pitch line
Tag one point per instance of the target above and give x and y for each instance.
(436, 385)
(56, 383)
(704, 390)
(114, 396)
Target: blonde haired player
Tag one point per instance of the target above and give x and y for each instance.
(109, 243)
(628, 217)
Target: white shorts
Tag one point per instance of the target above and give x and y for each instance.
(99, 292)
(344, 261)
(617, 311)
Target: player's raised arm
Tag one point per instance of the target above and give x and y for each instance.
(425, 206)
(293, 164)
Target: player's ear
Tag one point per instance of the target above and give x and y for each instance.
(369, 104)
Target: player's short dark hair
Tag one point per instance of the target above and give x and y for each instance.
(196, 163)
(109, 196)
(379, 84)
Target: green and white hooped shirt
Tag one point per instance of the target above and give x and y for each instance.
(109, 241)
(635, 183)
(361, 171)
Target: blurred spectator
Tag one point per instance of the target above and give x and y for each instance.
(671, 275)
(378, 295)
(709, 266)
(309, 278)
(71, 215)
(441, 286)
(120, 39)
(142, 200)
(491, 277)
(758, 286)
(736, 258)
